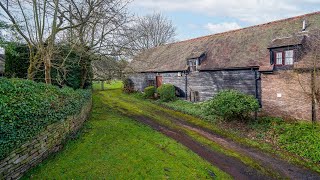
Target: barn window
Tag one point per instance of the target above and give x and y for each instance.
(279, 58)
(284, 57)
(193, 64)
(289, 57)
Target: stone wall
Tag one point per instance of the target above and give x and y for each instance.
(36, 150)
(285, 94)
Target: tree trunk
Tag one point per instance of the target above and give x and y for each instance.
(83, 78)
(313, 103)
(102, 85)
(47, 67)
(32, 61)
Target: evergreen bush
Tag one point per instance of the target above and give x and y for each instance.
(231, 105)
(149, 92)
(167, 92)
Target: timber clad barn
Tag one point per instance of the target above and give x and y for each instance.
(260, 60)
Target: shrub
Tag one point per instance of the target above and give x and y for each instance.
(167, 92)
(27, 107)
(231, 105)
(128, 86)
(149, 91)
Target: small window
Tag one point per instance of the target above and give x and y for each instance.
(279, 58)
(289, 57)
(284, 57)
(193, 64)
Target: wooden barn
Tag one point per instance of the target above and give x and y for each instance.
(252, 60)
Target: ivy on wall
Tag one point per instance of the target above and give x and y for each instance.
(27, 107)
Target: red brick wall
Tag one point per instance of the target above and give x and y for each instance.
(294, 103)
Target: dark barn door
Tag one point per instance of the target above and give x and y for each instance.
(159, 80)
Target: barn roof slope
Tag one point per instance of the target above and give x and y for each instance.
(246, 47)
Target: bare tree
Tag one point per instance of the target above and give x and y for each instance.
(309, 53)
(107, 69)
(41, 23)
(100, 38)
(150, 31)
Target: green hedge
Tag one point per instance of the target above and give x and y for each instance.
(231, 105)
(27, 107)
(149, 91)
(17, 60)
(167, 92)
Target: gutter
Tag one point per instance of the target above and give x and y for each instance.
(186, 84)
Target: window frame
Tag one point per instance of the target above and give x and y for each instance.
(194, 66)
(276, 58)
(285, 59)
(283, 52)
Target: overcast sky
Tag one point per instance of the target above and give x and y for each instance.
(194, 18)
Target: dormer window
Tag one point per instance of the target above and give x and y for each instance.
(282, 50)
(288, 57)
(193, 64)
(279, 60)
(194, 60)
(284, 57)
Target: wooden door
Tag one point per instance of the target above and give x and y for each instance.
(159, 81)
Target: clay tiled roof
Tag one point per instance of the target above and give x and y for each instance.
(287, 41)
(268, 68)
(196, 54)
(247, 47)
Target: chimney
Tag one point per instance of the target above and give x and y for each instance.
(304, 25)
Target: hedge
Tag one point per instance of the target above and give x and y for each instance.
(17, 60)
(167, 92)
(231, 105)
(27, 107)
(149, 91)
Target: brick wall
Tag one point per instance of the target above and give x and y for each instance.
(36, 150)
(285, 94)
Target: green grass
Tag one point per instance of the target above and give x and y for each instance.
(300, 138)
(185, 107)
(134, 105)
(114, 146)
(297, 142)
(107, 86)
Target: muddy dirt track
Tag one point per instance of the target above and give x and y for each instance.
(273, 167)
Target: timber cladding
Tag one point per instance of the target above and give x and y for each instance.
(48, 141)
(207, 83)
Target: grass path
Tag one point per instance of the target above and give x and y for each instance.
(114, 146)
(257, 164)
